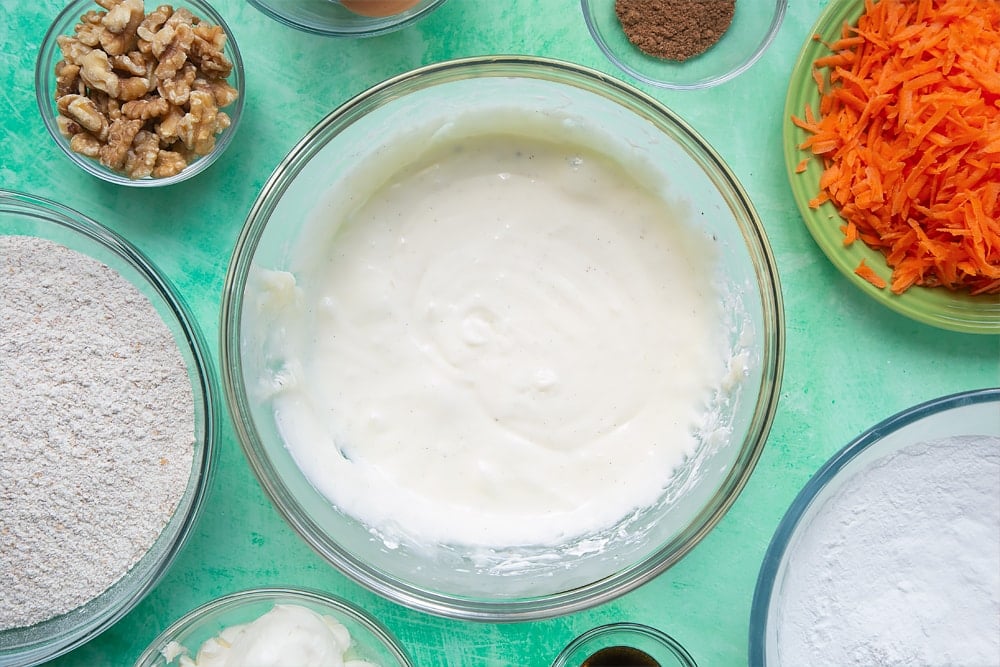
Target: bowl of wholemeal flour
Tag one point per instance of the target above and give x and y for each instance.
(109, 421)
(890, 555)
(680, 44)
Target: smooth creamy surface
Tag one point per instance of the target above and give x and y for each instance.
(286, 636)
(510, 343)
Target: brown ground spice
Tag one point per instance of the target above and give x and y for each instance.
(675, 29)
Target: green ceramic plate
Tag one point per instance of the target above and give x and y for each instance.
(938, 307)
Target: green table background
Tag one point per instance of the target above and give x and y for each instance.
(849, 364)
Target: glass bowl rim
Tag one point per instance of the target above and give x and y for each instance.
(374, 28)
(48, 55)
(767, 577)
(657, 635)
(624, 580)
(264, 594)
(777, 19)
(54, 213)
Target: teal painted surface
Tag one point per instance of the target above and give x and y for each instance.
(850, 363)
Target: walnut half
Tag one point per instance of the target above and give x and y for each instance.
(143, 92)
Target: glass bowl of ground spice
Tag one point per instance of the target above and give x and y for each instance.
(110, 418)
(681, 44)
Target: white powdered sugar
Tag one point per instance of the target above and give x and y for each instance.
(96, 428)
(902, 565)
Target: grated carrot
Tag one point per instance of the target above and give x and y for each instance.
(869, 274)
(908, 130)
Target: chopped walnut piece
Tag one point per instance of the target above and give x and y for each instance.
(73, 50)
(88, 30)
(171, 46)
(133, 62)
(206, 51)
(68, 79)
(169, 127)
(153, 22)
(133, 88)
(143, 92)
(181, 16)
(222, 92)
(67, 126)
(146, 108)
(176, 90)
(96, 72)
(169, 163)
(86, 144)
(121, 22)
(197, 128)
(121, 134)
(141, 159)
(85, 112)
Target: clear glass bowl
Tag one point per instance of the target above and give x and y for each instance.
(330, 18)
(370, 640)
(45, 86)
(972, 413)
(754, 26)
(604, 647)
(447, 580)
(26, 215)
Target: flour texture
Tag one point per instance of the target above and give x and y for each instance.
(96, 428)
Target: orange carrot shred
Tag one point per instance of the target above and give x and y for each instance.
(869, 274)
(908, 132)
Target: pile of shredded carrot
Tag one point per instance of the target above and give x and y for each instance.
(908, 129)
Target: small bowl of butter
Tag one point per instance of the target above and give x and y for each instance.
(279, 626)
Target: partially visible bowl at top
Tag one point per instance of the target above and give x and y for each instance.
(533, 109)
(754, 26)
(347, 18)
(367, 640)
(167, 133)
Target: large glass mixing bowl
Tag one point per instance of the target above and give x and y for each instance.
(448, 580)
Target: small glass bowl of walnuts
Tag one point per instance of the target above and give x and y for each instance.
(137, 93)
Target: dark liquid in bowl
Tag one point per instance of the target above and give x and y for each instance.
(620, 656)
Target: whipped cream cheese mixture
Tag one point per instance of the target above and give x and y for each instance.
(512, 341)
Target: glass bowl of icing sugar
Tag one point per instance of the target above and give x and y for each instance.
(503, 338)
(890, 554)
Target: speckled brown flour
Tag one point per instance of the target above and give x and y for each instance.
(675, 29)
(96, 428)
